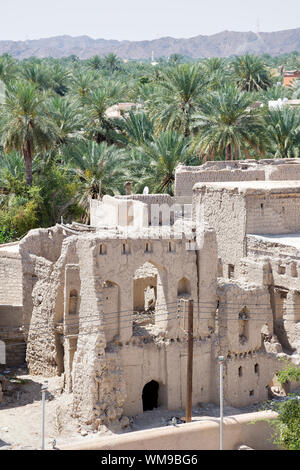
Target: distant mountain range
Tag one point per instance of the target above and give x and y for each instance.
(223, 44)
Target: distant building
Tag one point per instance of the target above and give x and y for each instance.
(280, 103)
(290, 76)
(121, 109)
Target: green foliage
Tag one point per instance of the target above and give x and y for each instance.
(59, 146)
(288, 374)
(6, 235)
(283, 131)
(286, 429)
(227, 127)
(251, 73)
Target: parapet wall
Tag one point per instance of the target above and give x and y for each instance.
(253, 430)
(242, 170)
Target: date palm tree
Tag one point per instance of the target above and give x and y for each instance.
(228, 126)
(99, 126)
(251, 73)
(8, 68)
(67, 116)
(95, 63)
(154, 163)
(99, 169)
(176, 97)
(137, 128)
(283, 129)
(24, 123)
(112, 62)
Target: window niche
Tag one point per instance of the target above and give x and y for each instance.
(125, 248)
(171, 247)
(281, 269)
(294, 270)
(102, 249)
(230, 271)
(73, 301)
(243, 325)
(148, 247)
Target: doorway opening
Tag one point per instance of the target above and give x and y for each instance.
(150, 395)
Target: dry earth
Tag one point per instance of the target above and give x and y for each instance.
(21, 415)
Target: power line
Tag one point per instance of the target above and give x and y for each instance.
(262, 309)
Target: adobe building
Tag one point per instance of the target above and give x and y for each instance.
(105, 305)
(290, 76)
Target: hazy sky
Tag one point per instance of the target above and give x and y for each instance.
(142, 19)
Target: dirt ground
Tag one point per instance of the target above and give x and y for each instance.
(21, 415)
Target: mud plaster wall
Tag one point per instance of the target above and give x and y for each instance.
(11, 289)
(247, 378)
(185, 179)
(165, 363)
(243, 170)
(225, 212)
(249, 368)
(39, 251)
(110, 371)
(274, 214)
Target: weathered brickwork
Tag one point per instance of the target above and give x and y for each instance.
(105, 306)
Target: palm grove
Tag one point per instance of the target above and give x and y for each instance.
(59, 147)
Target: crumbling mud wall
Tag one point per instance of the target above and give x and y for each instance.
(44, 330)
(245, 329)
(98, 386)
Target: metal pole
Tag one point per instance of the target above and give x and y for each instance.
(44, 389)
(189, 381)
(221, 362)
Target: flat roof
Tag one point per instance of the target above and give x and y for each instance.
(251, 187)
(290, 239)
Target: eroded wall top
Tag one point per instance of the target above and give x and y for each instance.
(242, 170)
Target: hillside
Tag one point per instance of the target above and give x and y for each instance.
(223, 44)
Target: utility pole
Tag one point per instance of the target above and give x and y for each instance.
(189, 375)
(221, 360)
(44, 389)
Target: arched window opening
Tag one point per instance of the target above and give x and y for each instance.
(149, 302)
(150, 395)
(240, 371)
(145, 288)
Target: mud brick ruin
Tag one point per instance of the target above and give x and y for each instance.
(104, 304)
